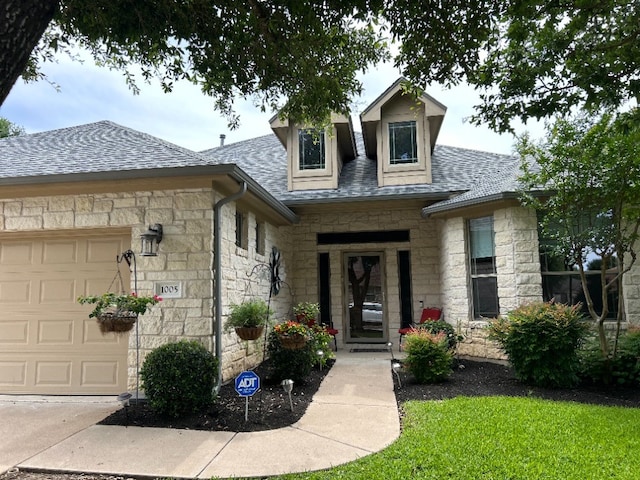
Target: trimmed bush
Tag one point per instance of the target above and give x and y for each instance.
(542, 341)
(438, 326)
(429, 357)
(179, 378)
(293, 364)
(622, 370)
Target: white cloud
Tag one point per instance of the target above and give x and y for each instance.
(186, 116)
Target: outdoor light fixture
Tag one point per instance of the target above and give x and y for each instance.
(124, 398)
(287, 386)
(396, 367)
(150, 240)
(320, 354)
(390, 347)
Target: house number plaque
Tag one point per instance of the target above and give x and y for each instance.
(168, 289)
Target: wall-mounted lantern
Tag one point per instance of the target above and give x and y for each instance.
(150, 240)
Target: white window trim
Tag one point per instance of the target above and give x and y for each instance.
(420, 165)
(313, 172)
(473, 276)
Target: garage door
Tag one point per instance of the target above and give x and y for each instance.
(48, 345)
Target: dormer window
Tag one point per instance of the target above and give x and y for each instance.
(403, 145)
(311, 149)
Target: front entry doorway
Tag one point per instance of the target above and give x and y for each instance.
(364, 281)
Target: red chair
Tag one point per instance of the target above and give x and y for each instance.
(430, 314)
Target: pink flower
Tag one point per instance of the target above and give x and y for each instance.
(157, 298)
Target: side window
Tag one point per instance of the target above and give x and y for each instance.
(482, 260)
(242, 230)
(260, 237)
(403, 147)
(311, 149)
(561, 278)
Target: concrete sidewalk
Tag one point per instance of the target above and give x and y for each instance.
(353, 414)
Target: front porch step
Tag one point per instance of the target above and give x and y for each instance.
(368, 347)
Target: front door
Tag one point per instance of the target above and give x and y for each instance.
(364, 280)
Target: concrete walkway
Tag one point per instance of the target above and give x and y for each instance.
(352, 415)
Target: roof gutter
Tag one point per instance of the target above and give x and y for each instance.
(230, 169)
(216, 278)
(370, 198)
(450, 207)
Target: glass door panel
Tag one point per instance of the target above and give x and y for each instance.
(365, 309)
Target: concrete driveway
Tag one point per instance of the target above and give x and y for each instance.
(29, 425)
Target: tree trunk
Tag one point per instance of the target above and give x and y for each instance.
(23, 23)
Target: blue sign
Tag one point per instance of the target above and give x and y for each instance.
(247, 383)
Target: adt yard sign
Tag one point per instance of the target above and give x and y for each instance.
(247, 383)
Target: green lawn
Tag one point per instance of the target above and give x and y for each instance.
(505, 438)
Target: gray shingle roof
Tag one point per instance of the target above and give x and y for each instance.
(92, 148)
(502, 183)
(105, 147)
(454, 170)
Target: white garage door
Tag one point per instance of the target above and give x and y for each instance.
(48, 344)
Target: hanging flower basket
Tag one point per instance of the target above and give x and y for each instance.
(249, 333)
(294, 341)
(118, 322)
(118, 312)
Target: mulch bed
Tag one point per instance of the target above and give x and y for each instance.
(269, 408)
(473, 378)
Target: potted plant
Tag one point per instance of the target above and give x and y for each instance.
(118, 312)
(292, 335)
(306, 312)
(248, 319)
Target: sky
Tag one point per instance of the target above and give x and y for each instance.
(87, 93)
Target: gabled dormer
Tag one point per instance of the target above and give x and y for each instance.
(315, 158)
(400, 132)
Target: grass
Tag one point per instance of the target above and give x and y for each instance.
(504, 438)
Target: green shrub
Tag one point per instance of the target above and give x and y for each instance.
(623, 369)
(179, 378)
(293, 364)
(321, 341)
(438, 326)
(429, 357)
(626, 369)
(542, 341)
(252, 313)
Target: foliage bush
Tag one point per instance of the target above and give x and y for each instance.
(438, 326)
(252, 313)
(542, 341)
(179, 378)
(285, 363)
(429, 357)
(623, 369)
(297, 364)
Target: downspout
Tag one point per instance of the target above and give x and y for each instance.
(216, 286)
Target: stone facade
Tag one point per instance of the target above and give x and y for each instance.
(423, 247)
(631, 291)
(185, 256)
(438, 254)
(517, 268)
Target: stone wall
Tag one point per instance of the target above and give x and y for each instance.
(631, 291)
(517, 257)
(246, 276)
(423, 244)
(185, 255)
(518, 274)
